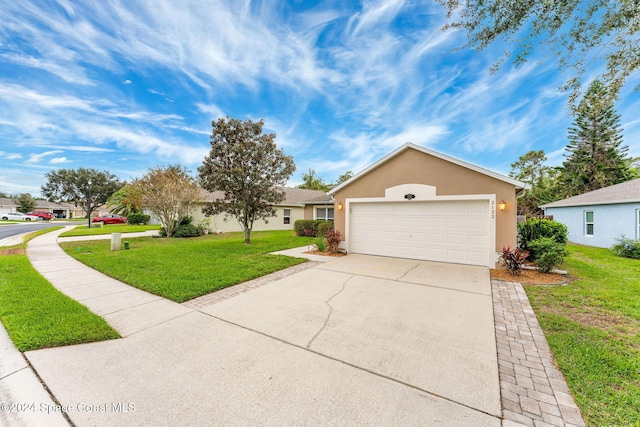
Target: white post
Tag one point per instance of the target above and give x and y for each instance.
(116, 240)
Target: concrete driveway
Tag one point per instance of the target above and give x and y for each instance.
(359, 340)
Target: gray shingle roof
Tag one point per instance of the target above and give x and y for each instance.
(294, 196)
(627, 192)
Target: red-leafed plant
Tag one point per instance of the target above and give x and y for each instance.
(333, 241)
(513, 259)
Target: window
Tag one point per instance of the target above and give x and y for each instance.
(588, 223)
(324, 213)
(287, 216)
(638, 224)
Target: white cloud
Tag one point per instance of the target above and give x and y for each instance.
(37, 158)
(59, 160)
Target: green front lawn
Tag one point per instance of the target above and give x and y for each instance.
(108, 229)
(182, 269)
(593, 328)
(37, 315)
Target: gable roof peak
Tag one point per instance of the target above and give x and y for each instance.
(411, 146)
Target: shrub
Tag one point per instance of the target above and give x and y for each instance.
(301, 225)
(312, 227)
(188, 230)
(513, 259)
(628, 248)
(550, 253)
(321, 243)
(186, 220)
(533, 229)
(333, 241)
(324, 227)
(138, 218)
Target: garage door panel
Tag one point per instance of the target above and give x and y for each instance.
(450, 231)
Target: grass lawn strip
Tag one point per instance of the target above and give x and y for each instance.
(35, 314)
(183, 269)
(593, 328)
(82, 230)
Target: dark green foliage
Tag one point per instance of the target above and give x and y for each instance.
(595, 157)
(312, 227)
(311, 181)
(138, 218)
(549, 253)
(533, 229)
(577, 34)
(513, 259)
(88, 188)
(247, 168)
(186, 220)
(188, 230)
(628, 248)
(324, 227)
(530, 169)
(25, 203)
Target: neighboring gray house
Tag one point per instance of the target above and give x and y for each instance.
(598, 217)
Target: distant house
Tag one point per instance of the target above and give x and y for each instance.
(598, 217)
(298, 204)
(61, 210)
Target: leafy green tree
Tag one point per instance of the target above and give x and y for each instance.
(311, 181)
(168, 192)
(595, 157)
(344, 177)
(576, 33)
(125, 201)
(84, 187)
(25, 203)
(248, 168)
(531, 169)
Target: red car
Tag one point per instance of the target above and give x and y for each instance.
(42, 215)
(110, 219)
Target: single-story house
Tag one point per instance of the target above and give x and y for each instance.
(599, 217)
(299, 203)
(63, 210)
(420, 204)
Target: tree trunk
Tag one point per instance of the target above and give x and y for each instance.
(247, 235)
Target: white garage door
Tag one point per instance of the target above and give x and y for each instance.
(448, 231)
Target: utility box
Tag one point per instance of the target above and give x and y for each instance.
(116, 241)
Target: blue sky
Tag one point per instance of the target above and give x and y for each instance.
(125, 86)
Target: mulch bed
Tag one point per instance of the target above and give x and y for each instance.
(325, 253)
(530, 277)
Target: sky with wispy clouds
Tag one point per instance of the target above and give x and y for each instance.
(126, 86)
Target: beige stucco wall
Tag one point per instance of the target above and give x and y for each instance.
(218, 223)
(415, 167)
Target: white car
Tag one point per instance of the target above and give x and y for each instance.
(17, 216)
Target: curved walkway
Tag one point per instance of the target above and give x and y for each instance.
(533, 391)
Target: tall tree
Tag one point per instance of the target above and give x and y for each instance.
(25, 203)
(577, 33)
(311, 181)
(125, 201)
(168, 192)
(595, 157)
(84, 187)
(531, 169)
(344, 177)
(247, 167)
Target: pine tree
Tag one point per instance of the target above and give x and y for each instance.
(595, 156)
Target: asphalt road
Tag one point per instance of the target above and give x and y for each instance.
(9, 230)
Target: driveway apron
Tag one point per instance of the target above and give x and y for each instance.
(359, 340)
